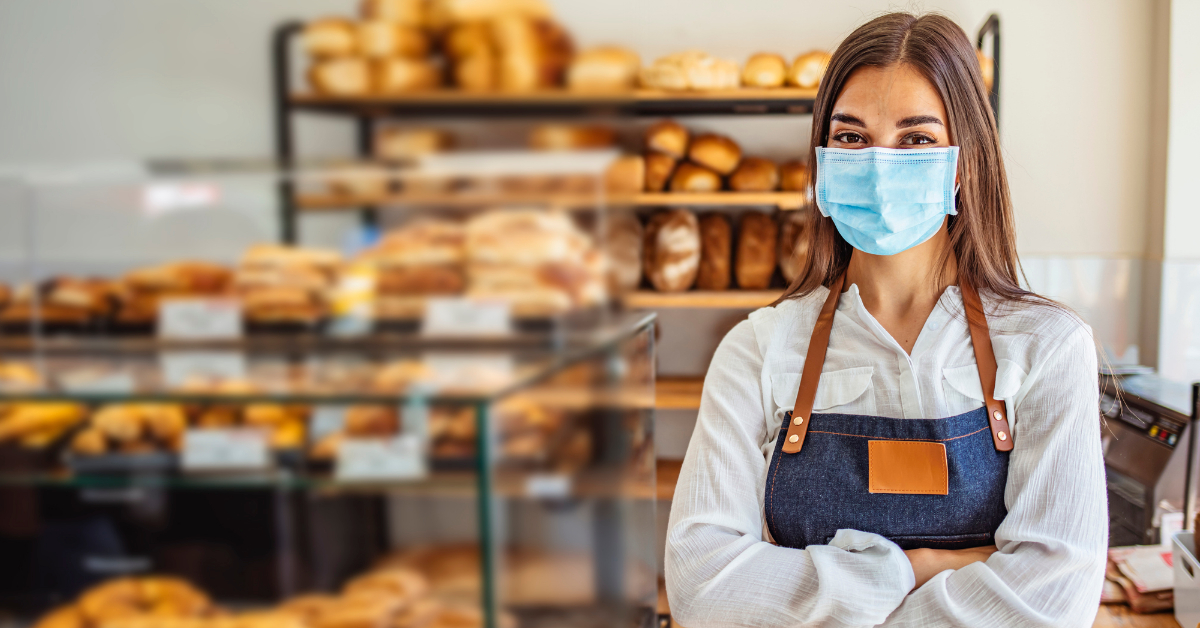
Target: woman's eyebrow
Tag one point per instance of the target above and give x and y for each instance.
(848, 119)
(918, 121)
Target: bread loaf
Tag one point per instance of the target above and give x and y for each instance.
(604, 69)
(716, 252)
(793, 176)
(754, 174)
(468, 39)
(398, 144)
(764, 70)
(808, 68)
(329, 38)
(659, 167)
(398, 75)
(690, 69)
(715, 152)
(379, 39)
(793, 243)
(406, 12)
(343, 76)
(477, 72)
(755, 261)
(571, 137)
(624, 247)
(672, 250)
(626, 175)
(668, 137)
(690, 177)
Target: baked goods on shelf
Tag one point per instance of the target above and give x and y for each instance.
(330, 37)
(36, 425)
(793, 243)
(764, 69)
(381, 39)
(807, 69)
(672, 250)
(345, 77)
(145, 288)
(691, 69)
(659, 168)
(716, 252)
(623, 245)
(716, 152)
(423, 258)
(755, 174)
(626, 175)
(63, 304)
(402, 144)
(689, 177)
(793, 176)
(667, 137)
(755, 260)
(412, 13)
(286, 285)
(604, 69)
(571, 137)
(151, 599)
(364, 181)
(987, 69)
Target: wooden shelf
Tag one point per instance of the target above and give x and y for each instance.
(681, 393)
(694, 299)
(666, 477)
(337, 202)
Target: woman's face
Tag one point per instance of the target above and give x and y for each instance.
(892, 107)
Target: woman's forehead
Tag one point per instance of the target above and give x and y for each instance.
(889, 94)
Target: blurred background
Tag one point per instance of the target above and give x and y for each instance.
(416, 297)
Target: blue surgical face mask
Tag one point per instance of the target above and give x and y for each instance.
(884, 200)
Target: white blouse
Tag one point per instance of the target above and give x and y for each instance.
(721, 569)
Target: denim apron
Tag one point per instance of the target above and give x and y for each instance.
(919, 482)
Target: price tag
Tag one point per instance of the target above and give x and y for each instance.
(178, 367)
(93, 382)
(548, 486)
(200, 319)
(458, 316)
(376, 459)
(236, 449)
(326, 419)
(482, 371)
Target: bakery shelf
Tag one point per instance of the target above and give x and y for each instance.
(678, 393)
(338, 202)
(666, 478)
(694, 299)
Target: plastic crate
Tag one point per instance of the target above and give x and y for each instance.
(1187, 579)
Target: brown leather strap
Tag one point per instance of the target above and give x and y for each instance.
(813, 362)
(985, 360)
(818, 344)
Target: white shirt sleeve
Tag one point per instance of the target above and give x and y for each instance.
(720, 572)
(1053, 543)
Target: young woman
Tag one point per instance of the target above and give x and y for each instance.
(908, 438)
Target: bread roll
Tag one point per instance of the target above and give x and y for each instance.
(623, 243)
(406, 12)
(469, 39)
(689, 177)
(571, 137)
(764, 69)
(360, 181)
(713, 73)
(330, 37)
(716, 152)
(793, 176)
(668, 137)
(756, 250)
(793, 243)
(344, 76)
(399, 144)
(626, 175)
(808, 68)
(665, 74)
(755, 174)
(987, 69)
(672, 250)
(604, 69)
(477, 73)
(659, 167)
(379, 39)
(399, 75)
(454, 11)
(691, 69)
(429, 279)
(716, 252)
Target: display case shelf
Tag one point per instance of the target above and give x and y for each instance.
(715, 299)
(678, 393)
(314, 202)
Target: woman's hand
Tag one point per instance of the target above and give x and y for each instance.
(928, 562)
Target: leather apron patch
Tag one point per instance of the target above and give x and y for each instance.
(907, 467)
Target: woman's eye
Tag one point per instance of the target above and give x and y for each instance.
(917, 139)
(847, 137)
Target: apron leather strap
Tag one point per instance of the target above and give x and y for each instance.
(818, 344)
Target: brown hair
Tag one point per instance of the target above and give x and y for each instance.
(982, 235)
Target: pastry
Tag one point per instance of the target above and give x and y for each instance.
(359, 611)
(407, 12)
(691, 69)
(398, 144)
(164, 421)
(793, 243)
(716, 252)
(626, 175)
(716, 152)
(668, 137)
(159, 597)
(689, 177)
(477, 72)
(330, 37)
(672, 250)
(120, 423)
(341, 76)
(399, 583)
(754, 174)
(62, 617)
(185, 277)
(398, 75)
(371, 420)
(571, 137)
(427, 279)
(454, 11)
(532, 53)
(359, 181)
(378, 39)
(422, 242)
(468, 39)
(764, 70)
(808, 68)
(604, 69)
(793, 176)
(624, 248)
(755, 262)
(25, 419)
(659, 167)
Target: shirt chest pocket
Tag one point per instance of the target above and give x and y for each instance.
(847, 391)
(963, 392)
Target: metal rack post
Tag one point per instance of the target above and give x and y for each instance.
(992, 26)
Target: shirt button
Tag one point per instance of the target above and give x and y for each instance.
(935, 326)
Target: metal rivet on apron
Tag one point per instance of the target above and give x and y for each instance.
(794, 438)
(1002, 436)
(996, 415)
(798, 420)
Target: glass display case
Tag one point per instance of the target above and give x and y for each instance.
(195, 434)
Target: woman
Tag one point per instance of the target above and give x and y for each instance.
(907, 438)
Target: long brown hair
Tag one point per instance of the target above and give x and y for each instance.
(982, 235)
